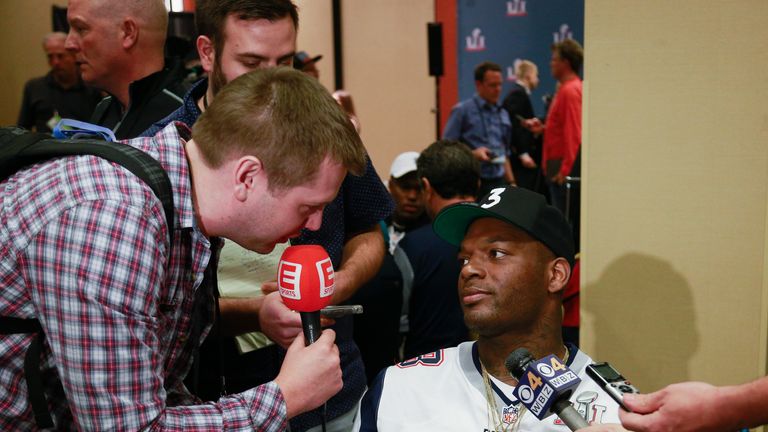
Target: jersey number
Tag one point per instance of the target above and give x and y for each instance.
(431, 359)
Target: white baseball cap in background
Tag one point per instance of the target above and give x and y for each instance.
(403, 164)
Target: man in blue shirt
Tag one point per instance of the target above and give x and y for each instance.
(236, 37)
(483, 124)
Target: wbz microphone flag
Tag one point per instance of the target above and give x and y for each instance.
(544, 382)
(305, 278)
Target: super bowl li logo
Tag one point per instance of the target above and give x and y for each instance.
(516, 8)
(511, 70)
(563, 34)
(476, 40)
(589, 410)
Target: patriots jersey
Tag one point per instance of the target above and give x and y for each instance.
(445, 391)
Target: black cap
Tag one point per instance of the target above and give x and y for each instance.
(301, 59)
(525, 209)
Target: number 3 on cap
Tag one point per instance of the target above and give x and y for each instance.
(494, 198)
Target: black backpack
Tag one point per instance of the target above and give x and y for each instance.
(19, 149)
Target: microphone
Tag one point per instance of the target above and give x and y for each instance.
(544, 386)
(306, 282)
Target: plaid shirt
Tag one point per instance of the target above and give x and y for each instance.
(83, 248)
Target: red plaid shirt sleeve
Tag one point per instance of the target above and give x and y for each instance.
(85, 252)
(95, 277)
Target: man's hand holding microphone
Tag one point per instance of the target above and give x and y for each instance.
(311, 372)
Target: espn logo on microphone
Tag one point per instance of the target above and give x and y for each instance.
(290, 275)
(327, 277)
(289, 280)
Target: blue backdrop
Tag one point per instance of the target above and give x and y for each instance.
(502, 31)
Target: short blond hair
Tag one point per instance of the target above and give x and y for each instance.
(286, 119)
(523, 68)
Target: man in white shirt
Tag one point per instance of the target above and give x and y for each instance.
(516, 256)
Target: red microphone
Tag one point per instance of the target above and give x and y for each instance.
(306, 283)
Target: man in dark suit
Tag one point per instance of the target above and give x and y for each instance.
(526, 147)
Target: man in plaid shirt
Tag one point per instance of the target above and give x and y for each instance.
(84, 249)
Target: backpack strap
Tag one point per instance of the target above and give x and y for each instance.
(18, 149)
(10, 325)
(100, 110)
(31, 148)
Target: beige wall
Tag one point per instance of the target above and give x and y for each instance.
(22, 27)
(386, 70)
(316, 35)
(676, 189)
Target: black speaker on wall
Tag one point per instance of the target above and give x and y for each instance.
(435, 42)
(59, 19)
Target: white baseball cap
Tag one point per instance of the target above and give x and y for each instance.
(403, 164)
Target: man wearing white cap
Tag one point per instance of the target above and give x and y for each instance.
(405, 190)
(377, 331)
(449, 174)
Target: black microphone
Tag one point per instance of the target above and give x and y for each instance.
(306, 282)
(544, 387)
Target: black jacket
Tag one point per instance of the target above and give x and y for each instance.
(518, 103)
(151, 99)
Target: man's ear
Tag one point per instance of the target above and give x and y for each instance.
(207, 53)
(130, 33)
(559, 274)
(426, 187)
(249, 176)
